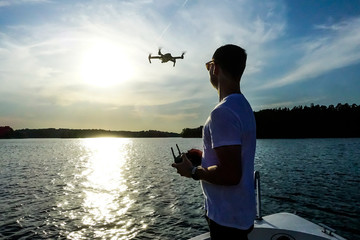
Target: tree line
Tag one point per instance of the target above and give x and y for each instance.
(8, 132)
(314, 121)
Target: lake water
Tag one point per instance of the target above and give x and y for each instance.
(118, 188)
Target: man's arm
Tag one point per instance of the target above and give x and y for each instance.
(228, 172)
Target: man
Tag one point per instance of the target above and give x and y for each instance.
(229, 139)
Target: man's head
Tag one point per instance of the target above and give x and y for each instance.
(231, 59)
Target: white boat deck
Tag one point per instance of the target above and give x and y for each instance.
(283, 226)
(286, 226)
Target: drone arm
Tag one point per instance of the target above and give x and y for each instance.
(181, 57)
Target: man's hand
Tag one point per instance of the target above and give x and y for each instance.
(184, 168)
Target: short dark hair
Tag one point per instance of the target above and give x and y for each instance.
(231, 59)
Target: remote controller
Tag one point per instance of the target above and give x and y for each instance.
(177, 159)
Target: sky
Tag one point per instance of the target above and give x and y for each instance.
(84, 64)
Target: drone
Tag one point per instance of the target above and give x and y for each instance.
(166, 57)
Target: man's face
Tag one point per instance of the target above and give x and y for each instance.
(210, 66)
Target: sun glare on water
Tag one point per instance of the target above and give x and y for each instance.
(106, 198)
(105, 64)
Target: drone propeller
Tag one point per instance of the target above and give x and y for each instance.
(149, 57)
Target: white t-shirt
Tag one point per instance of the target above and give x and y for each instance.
(232, 122)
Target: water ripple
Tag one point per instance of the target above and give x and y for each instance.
(126, 189)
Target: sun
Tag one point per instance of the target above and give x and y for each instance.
(105, 64)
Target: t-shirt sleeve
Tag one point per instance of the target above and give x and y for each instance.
(225, 128)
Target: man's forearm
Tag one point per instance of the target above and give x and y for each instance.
(218, 175)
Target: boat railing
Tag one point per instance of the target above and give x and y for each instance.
(326, 229)
(258, 195)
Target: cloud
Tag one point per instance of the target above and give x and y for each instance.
(48, 54)
(41, 62)
(22, 2)
(336, 46)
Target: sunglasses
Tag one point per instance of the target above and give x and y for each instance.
(208, 64)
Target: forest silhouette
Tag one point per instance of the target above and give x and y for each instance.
(314, 121)
(342, 120)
